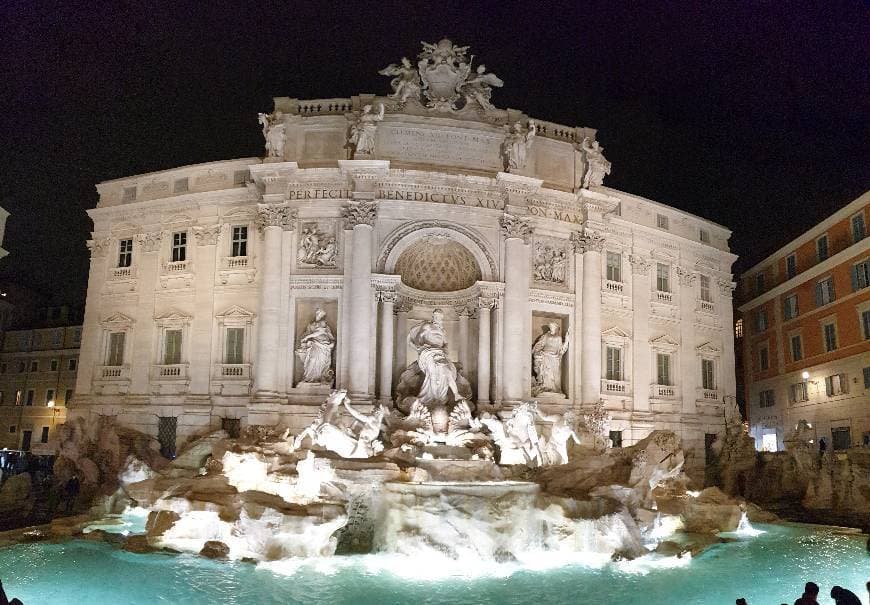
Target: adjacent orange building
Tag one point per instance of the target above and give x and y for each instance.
(806, 345)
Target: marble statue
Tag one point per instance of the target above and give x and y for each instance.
(443, 69)
(480, 87)
(517, 437)
(556, 445)
(316, 248)
(547, 352)
(315, 350)
(516, 145)
(406, 85)
(550, 263)
(273, 133)
(430, 341)
(328, 433)
(362, 134)
(597, 165)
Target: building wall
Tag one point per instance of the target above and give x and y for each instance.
(852, 353)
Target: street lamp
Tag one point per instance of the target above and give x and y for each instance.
(51, 404)
(805, 375)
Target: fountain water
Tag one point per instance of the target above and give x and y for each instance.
(744, 528)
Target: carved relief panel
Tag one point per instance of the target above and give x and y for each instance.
(317, 244)
(550, 262)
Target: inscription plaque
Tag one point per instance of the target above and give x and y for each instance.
(449, 147)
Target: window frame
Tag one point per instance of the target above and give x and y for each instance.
(790, 311)
(800, 348)
(612, 270)
(663, 222)
(125, 252)
(859, 215)
(614, 371)
(827, 248)
(178, 247)
(239, 244)
(666, 269)
(825, 292)
(791, 265)
(832, 324)
(712, 385)
(706, 290)
(763, 357)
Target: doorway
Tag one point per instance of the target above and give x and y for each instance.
(26, 437)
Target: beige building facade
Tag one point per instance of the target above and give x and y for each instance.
(240, 292)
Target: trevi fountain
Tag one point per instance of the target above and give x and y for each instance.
(453, 366)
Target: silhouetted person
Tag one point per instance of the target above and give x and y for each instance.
(72, 490)
(842, 596)
(740, 601)
(810, 596)
(4, 600)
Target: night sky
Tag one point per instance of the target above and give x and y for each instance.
(754, 115)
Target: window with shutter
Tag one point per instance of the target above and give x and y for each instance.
(822, 247)
(860, 275)
(614, 266)
(235, 345)
(663, 368)
(115, 355)
(172, 347)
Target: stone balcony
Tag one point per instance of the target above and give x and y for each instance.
(664, 391)
(614, 287)
(233, 371)
(177, 267)
(614, 387)
(705, 306)
(708, 394)
(237, 269)
(666, 298)
(171, 371)
(113, 373)
(122, 273)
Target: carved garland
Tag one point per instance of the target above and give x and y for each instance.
(149, 242)
(207, 236)
(639, 264)
(99, 247)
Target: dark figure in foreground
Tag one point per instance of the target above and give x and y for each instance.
(810, 596)
(4, 600)
(740, 601)
(842, 596)
(72, 490)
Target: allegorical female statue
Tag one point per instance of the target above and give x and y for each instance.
(362, 134)
(430, 341)
(315, 350)
(547, 355)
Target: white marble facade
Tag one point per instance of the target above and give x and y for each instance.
(205, 278)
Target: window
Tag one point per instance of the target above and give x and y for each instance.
(181, 185)
(661, 221)
(867, 377)
(129, 194)
(172, 347)
(708, 380)
(797, 349)
(235, 346)
(738, 328)
(67, 396)
(857, 228)
(54, 365)
(77, 335)
(663, 369)
(763, 358)
(797, 392)
(115, 354)
(704, 236)
(28, 400)
(21, 367)
(34, 366)
(841, 437)
(865, 324)
(663, 283)
(240, 241)
(790, 306)
(125, 253)
(829, 335)
(705, 288)
(761, 320)
(616, 438)
(44, 437)
(860, 275)
(825, 292)
(614, 266)
(49, 395)
(836, 385)
(822, 248)
(766, 399)
(759, 283)
(12, 428)
(614, 363)
(179, 247)
(791, 265)
(166, 431)
(71, 365)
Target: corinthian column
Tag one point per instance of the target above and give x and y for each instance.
(641, 378)
(516, 345)
(361, 218)
(272, 219)
(484, 339)
(385, 385)
(591, 244)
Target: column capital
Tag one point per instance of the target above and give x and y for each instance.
(516, 227)
(207, 236)
(487, 302)
(275, 215)
(640, 265)
(150, 242)
(726, 287)
(360, 213)
(587, 241)
(99, 246)
(686, 276)
(388, 297)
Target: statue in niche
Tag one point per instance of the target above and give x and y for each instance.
(273, 133)
(480, 87)
(362, 134)
(327, 431)
(406, 84)
(315, 351)
(516, 145)
(550, 263)
(547, 355)
(316, 248)
(430, 341)
(556, 445)
(597, 165)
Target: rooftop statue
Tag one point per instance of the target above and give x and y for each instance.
(362, 134)
(273, 133)
(517, 142)
(597, 165)
(406, 85)
(480, 87)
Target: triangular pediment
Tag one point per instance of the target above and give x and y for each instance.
(173, 315)
(664, 342)
(615, 332)
(235, 311)
(117, 319)
(709, 349)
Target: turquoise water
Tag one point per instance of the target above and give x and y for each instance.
(767, 569)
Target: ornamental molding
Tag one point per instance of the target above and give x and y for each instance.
(640, 265)
(117, 320)
(515, 227)
(207, 236)
(150, 242)
(99, 247)
(726, 287)
(549, 297)
(486, 302)
(306, 282)
(687, 276)
(387, 296)
(708, 348)
(587, 241)
(664, 343)
(275, 215)
(172, 317)
(360, 213)
(235, 311)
